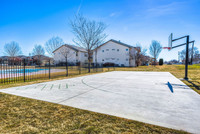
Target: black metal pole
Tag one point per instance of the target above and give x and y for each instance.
(24, 71)
(66, 65)
(49, 70)
(186, 59)
(1, 71)
(79, 67)
(192, 53)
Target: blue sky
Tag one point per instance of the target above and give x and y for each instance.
(31, 22)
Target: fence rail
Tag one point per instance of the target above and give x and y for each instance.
(12, 71)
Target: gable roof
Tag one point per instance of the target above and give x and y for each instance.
(118, 42)
(121, 43)
(76, 48)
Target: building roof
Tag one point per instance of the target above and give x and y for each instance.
(118, 42)
(121, 43)
(76, 48)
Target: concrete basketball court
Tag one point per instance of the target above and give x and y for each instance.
(153, 97)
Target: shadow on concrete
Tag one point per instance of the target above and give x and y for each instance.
(170, 87)
(178, 86)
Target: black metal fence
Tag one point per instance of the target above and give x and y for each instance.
(12, 71)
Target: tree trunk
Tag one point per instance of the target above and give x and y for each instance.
(66, 67)
(89, 67)
(155, 62)
(96, 60)
(88, 61)
(39, 60)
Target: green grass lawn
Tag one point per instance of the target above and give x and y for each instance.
(24, 115)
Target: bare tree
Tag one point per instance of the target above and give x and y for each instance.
(88, 34)
(66, 52)
(193, 53)
(155, 49)
(38, 51)
(52, 44)
(140, 54)
(12, 49)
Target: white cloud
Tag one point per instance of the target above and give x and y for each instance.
(78, 10)
(115, 14)
(163, 10)
(112, 14)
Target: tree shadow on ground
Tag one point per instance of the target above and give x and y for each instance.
(194, 85)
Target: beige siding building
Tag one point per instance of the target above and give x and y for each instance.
(115, 52)
(72, 53)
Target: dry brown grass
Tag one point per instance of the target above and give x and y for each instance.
(23, 115)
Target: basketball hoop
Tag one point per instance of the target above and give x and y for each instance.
(169, 48)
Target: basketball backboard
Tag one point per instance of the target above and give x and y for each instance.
(170, 41)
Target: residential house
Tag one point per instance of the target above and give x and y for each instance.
(72, 53)
(146, 60)
(39, 60)
(116, 52)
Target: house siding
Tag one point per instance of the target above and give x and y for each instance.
(114, 53)
(73, 57)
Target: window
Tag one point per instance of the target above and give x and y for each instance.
(107, 49)
(102, 59)
(126, 49)
(76, 53)
(113, 58)
(126, 59)
(117, 59)
(113, 49)
(102, 50)
(85, 55)
(118, 50)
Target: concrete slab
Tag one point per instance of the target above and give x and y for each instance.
(153, 97)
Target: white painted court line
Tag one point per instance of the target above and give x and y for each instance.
(142, 96)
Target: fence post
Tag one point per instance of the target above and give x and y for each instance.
(49, 69)
(96, 68)
(24, 70)
(1, 71)
(79, 67)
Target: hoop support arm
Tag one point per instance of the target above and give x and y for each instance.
(183, 44)
(180, 38)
